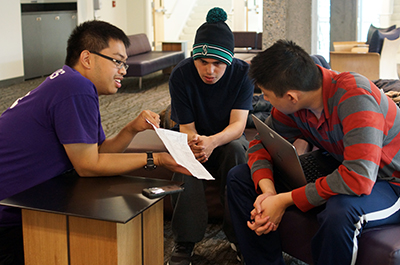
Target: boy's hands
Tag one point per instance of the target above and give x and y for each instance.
(202, 147)
(268, 211)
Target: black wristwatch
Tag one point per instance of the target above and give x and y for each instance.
(150, 161)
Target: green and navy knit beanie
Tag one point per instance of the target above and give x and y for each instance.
(214, 39)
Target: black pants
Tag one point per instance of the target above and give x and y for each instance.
(11, 246)
(190, 217)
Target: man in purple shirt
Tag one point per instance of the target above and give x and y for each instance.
(56, 128)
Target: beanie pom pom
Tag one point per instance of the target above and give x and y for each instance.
(216, 15)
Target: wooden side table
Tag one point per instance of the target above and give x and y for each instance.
(60, 239)
(179, 45)
(103, 221)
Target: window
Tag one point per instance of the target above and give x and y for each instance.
(368, 13)
(323, 28)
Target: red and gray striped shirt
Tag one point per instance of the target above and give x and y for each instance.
(359, 126)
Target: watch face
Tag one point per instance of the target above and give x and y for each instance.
(150, 167)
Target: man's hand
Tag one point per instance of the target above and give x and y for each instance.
(167, 161)
(140, 122)
(268, 211)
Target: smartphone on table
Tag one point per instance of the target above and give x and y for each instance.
(156, 192)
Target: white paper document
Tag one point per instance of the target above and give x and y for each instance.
(177, 146)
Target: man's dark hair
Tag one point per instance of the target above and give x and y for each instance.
(285, 66)
(92, 36)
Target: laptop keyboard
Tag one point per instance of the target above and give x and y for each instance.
(310, 168)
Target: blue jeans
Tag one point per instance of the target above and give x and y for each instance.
(341, 222)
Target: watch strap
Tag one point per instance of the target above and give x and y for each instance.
(150, 161)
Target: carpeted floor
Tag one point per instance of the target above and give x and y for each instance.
(116, 111)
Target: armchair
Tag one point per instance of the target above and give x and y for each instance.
(348, 46)
(378, 63)
(366, 64)
(372, 30)
(357, 46)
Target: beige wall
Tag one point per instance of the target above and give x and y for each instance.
(11, 59)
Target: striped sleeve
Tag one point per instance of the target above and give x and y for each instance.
(259, 160)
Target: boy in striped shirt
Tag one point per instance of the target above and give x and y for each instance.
(343, 113)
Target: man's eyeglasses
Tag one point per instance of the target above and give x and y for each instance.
(118, 63)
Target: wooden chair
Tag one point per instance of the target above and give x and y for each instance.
(370, 64)
(388, 62)
(348, 46)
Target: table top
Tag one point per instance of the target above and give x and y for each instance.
(115, 199)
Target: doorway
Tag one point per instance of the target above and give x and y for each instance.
(158, 12)
(254, 15)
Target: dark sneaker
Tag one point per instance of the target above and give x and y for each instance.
(182, 254)
(239, 255)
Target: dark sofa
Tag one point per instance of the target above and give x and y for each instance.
(247, 41)
(142, 60)
(247, 44)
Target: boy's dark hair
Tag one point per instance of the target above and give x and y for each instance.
(92, 36)
(285, 66)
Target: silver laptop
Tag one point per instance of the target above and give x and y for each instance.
(293, 170)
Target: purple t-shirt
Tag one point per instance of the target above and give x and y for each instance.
(64, 109)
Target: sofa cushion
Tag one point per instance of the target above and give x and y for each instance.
(259, 40)
(372, 30)
(377, 38)
(303, 226)
(378, 245)
(149, 62)
(245, 39)
(139, 44)
(258, 47)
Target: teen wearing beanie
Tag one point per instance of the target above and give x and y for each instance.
(211, 96)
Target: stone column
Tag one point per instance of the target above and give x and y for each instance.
(287, 19)
(274, 27)
(343, 20)
(298, 22)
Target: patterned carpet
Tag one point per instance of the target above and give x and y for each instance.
(116, 111)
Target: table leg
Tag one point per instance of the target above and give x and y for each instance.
(153, 234)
